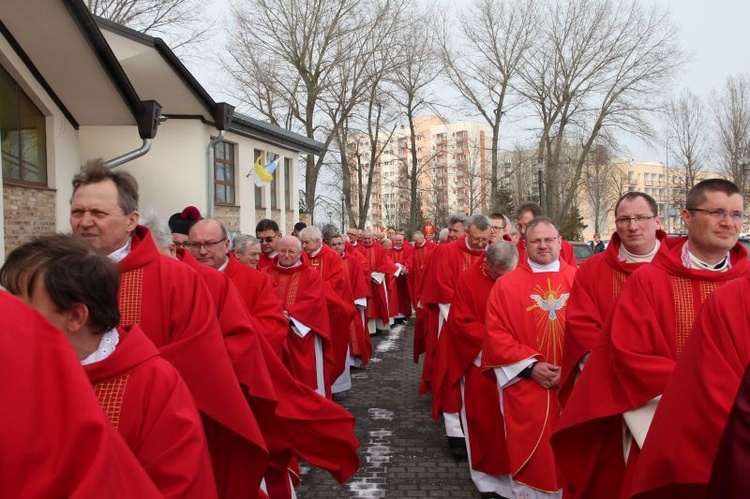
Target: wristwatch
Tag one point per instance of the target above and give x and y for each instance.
(526, 373)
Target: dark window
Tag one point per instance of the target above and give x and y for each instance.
(224, 169)
(258, 190)
(288, 183)
(22, 135)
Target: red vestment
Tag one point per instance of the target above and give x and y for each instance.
(147, 401)
(265, 261)
(730, 478)
(597, 285)
(682, 441)
(526, 315)
(55, 442)
(629, 365)
(378, 261)
(446, 264)
(303, 292)
(262, 299)
(174, 308)
(403, 257)
(341, 310)
(360, 341)
(416, 272)
(293, 418)
(464, 333)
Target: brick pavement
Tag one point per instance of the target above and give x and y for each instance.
(403, 451)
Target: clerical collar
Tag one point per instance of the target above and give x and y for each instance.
(299, 262)
(315, 253)
(550, 267)
(420, 245)
(107, 346)
(119, 255)
(691, 261)
(224, 265)
(628, 257)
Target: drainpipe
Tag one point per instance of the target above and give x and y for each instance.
(148, 120)
(211, 173)
(129, 156)
(222, 114)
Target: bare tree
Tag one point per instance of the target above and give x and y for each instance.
(731, 108)
(305, 64)
(602, 182)
(415, 73)
(497, 36)
(181, 22)
(685, 121)
(598, 68)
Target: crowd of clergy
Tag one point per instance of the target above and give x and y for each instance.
(215, 361)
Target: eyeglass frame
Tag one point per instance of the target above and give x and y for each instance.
(197, 246)
(722, 214)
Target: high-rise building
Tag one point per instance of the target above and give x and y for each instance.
(452, 170)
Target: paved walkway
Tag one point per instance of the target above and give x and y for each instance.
(404, 453)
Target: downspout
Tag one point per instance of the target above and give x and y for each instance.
(148, 120)
(212, 173)
(222, 114)
(129, 156)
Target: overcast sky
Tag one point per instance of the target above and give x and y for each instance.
(714, 32)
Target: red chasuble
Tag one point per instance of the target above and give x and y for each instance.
(56, 442)
(147, 401)
(341, 310)
(630, 364)
(416, 273)
(730, 477)
(303, 292)
(266, 262)
(378, 261)
(526, 315)
(403, 294)
(359, 340)
(682, 441)
(446, 264)
(464, 334)
(597, 285)
(293, 418)
(262, 299)
(173, 307)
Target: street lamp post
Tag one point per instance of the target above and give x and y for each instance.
(343, 211)
(541, 185)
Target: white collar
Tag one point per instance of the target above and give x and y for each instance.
(107, 346)
(315, 253)
(119, 254)
(550, 267)
(224, 265)
(628, 257)
(691, 261)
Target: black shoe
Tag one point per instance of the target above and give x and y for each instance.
(491, 495)
(457, 447)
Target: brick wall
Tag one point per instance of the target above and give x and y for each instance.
(229, 216)
(29, 211)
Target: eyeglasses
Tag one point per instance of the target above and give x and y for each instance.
(639, 220)
(288, 252)
(268, 239)
(196, 246)
(546, 240)
(720, 214)
(183, 244)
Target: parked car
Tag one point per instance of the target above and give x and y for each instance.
(582, 251)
